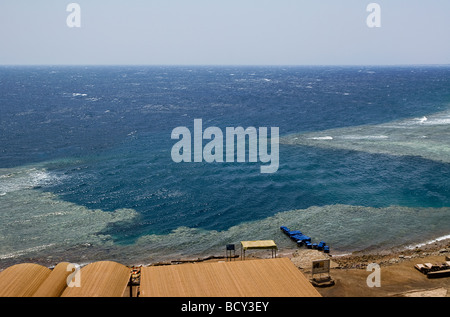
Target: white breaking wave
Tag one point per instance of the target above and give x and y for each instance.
(437, 121)
(441, 118)
(427, 137)
(364, 137)
(446, 237)
(14, 179)
(422, 120)
(321, 138)
(19, 253)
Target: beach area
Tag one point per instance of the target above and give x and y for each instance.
(398, 276)
(349, 274)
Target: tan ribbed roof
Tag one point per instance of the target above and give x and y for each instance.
(101, 279)
(98, 279)
(55, 283)
(277, 277)
(259, 244)
(22, 280)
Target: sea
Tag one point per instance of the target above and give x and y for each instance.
(86, 172)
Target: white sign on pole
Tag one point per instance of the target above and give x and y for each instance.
(321, 266)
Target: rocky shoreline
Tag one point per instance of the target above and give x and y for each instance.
(388, 257)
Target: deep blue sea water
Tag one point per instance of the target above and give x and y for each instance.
(86, 171)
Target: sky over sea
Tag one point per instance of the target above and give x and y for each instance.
(199, 32)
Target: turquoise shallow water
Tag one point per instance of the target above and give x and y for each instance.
(86, 171)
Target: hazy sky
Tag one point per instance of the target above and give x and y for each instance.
(225, 32)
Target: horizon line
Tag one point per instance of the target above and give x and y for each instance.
(225, 65)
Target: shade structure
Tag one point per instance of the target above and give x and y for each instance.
(55, 284)
(101, 279)
(22, 280)
(258, 244)
(277, 277)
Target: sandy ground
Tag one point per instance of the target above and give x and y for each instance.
(397, 277)
(349, 274)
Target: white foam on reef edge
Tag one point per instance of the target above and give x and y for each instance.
(429, 139)
(322, 138)
(419, 245)
(25, 251)
(26, 177)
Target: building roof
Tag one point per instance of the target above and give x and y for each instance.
(98, 279)
(55, 283)
(277, 277)
(22, 280)
(101, 279)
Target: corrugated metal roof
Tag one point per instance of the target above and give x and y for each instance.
(277, 277)
(101, 279)
(22, 280)
(55, 283)
(252, 278)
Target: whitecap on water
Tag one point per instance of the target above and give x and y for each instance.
(14, 179)
(364, 137)
(402, 137)
(19, 253)
(321, 138)
(442, 238)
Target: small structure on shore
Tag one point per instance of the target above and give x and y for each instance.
(258, 244)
